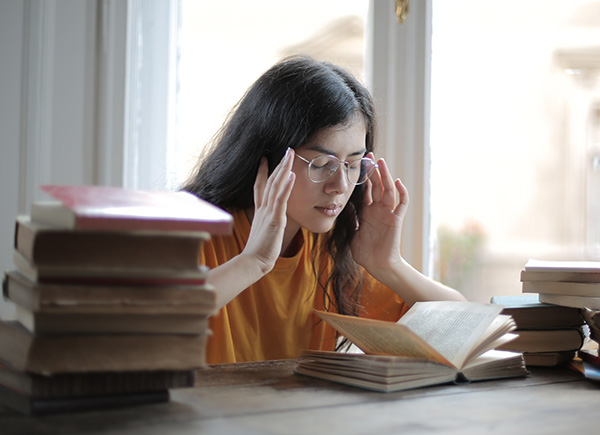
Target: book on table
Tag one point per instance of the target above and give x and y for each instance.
(571, 301)
(40, 406)
(528, 312)
(548, 359)
(68, 322)
(105, 208)
(571, 288)
(561, 270)
(573, 278)
(49, 247)
(590, 355)
(112, 307)
(76, 353)
(568, 283)
(68, 308)
(114, 275)
(433, 343)
(549, 334)
(547, 340)
(61, 385)
(113, 298)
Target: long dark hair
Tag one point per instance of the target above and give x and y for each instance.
(286, 107)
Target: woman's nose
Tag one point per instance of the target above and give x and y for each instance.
(338, 182)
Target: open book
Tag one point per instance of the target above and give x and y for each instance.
(433, 343)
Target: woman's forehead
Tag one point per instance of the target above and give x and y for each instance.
(339, 140)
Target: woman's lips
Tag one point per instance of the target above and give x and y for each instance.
(330, 210)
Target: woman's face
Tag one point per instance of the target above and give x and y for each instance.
(315, 206)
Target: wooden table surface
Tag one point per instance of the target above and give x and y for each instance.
(268, 398)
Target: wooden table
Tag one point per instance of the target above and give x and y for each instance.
(267, 398)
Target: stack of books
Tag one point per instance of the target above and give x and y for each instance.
(548, 334)
(112, 306)
(567, 283)
(554, 295)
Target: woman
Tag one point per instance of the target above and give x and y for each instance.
(317, 222)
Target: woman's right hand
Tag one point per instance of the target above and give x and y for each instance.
(271, 194)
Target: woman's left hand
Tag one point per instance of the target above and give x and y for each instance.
(376, 245)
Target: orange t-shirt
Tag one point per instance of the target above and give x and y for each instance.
(273, 318)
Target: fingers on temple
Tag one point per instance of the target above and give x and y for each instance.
(376, 187)
(404, 198)
(383, 185)
(279, 184)
(387, 182)
(368, 196)
(261, 182)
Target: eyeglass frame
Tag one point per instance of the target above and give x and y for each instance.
(341, 163)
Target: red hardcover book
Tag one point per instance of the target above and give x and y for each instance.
(103, 208)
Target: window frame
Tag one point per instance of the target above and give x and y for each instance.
(398, 73)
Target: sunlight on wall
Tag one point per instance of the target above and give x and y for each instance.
(510, 121)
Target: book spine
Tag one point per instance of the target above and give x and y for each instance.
(562, 288)
(571, 301)
(51, 406)
(107, 383)
(103, 223)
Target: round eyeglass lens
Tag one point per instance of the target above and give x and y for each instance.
(357, 171)
(322, 167)
(367, 166)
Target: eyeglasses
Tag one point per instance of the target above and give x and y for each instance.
(321, 168)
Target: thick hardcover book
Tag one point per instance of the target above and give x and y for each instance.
(78, 353)
(546, 340)
(114, 275)
(108, 299)
(571, 301)
(528, 312)
(433, 343)
(548, 359)
(60, 322)
(35, 406)
(561, 271)
(65, 385)
(590, 355)
(105, 208)
(563, 288)
(45, 246)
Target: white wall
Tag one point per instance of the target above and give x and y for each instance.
(48, 103)
(11, 37)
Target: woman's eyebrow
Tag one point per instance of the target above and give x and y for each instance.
(321, 149)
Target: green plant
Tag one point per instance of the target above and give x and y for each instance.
(458, 254)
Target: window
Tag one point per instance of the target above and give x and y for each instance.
(225, 46)
(515, 138)
(505, 92)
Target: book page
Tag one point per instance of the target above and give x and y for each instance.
(562, 266)
(497, 334)
(382, 338)
(452, 328)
